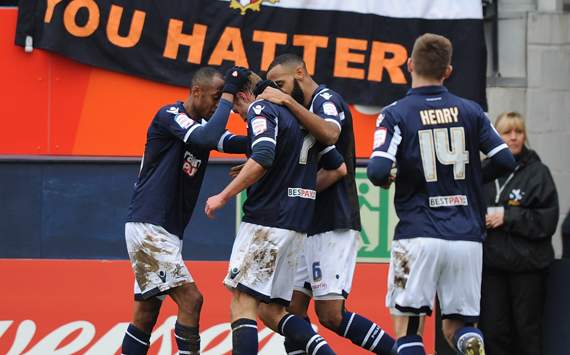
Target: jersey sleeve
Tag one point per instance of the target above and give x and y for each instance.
(177, 123)
(262, 131)
(330, 158)
(490, 142)
(328, 106)
(387, 137)
(231, 143)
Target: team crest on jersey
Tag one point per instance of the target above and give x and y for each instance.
(515, 197)
(257, 109)
(379, 119)
(258, 125)
(326, 96)
(183, 120)
(253, 5)
(191, 164)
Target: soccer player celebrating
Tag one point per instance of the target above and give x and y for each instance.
(434, 138)
(281, 175)
(179, 141)
(326, 268)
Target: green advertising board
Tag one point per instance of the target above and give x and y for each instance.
(377, 216)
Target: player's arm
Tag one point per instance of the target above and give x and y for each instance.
(325, 130)
(251, 172)
(333, 168)
(501, 160)
(386, 141)
(263, 132)
(234, 144)
(208, 134)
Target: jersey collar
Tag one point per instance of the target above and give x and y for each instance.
(427, 90)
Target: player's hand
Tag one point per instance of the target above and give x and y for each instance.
(274, 95)
(494, 220)
(235, 79)
(214, 203)
(234, 170)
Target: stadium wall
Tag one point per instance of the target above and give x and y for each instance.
(534, 79)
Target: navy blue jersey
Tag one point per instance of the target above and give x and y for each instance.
(435, 138)
(285, 196)
(171, 172)
(337, 207)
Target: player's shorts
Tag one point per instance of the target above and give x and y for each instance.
(263, 262)
(326, 266)
(156, 258)
(420, 267)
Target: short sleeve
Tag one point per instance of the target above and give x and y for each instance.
(387, 136)
(262, 124)
(178, 123)
(328, 106)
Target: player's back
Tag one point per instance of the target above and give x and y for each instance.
(284, 197)
(436, 138)
(337, 207)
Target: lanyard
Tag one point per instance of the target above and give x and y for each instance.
(501, 188)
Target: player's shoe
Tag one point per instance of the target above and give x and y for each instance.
(472, 345)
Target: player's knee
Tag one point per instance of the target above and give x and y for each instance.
(330, 319)
(192, 301)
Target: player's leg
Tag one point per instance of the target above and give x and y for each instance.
(156, 258)
(187, 330)
(409, 329)
(299, 305)
(136, 340)
(527, 308)
(299, 301)
(332, 256)
(459, 292)
(295, 328)
(243, 315)
(415, 266)
(496, 313)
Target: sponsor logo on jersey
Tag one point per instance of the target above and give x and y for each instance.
(326, 96)
(379, 137)
(448, 201)
(301, 193)
(253, 5)
(183, 120)
(330, 109)
(515, 197)
(191, 164)
(257, 109)
(259, 125)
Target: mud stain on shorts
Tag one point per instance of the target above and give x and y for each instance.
(401, 268)
(260, 261)
(144, 262)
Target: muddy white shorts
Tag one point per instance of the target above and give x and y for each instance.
(420, 267)
(156, 258)
(263, 262)
(326, 266)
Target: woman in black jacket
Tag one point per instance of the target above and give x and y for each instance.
(522, 215)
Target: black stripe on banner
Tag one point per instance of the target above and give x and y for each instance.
(362, 56)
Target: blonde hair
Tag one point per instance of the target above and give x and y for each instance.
(508, 121)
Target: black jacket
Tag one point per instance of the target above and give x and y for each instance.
(523, 242)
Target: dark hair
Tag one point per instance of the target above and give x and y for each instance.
(204, 76)
(431, 55)
(288, 58)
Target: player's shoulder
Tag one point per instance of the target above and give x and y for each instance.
(466, 104)
(170, 110)
(262, 108)
(325, 94)
(391, 111)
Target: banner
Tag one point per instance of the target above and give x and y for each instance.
(358, 48)
(56, 307)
